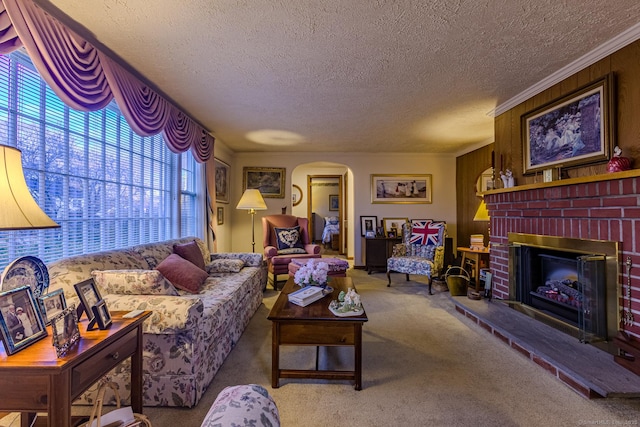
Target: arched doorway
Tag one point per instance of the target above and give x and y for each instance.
(322, 190)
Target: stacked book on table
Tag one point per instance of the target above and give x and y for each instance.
(477, 242)
(306, 295)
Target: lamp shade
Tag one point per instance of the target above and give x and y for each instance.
(252, 199)
(19, 210)
(482, 214)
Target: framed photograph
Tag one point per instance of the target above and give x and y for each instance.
(220, 215)
(401, 188)
(89, 296)
(334, 202)
(393, 226)
(368, 225)
(52, 304)
(270, 181)
(65, 330)
(101, 314)
(222, 181)
(574, 130)
(20, 319)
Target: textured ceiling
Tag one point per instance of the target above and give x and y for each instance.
(357, 75)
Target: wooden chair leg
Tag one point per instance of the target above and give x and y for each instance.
(407, 277)
(430, 280)
(388, 278)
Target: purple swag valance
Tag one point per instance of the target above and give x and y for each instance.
(87, 80)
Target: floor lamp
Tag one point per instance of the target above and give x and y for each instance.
(19, 210)
(252, 201)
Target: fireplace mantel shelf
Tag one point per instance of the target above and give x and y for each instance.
(570, 181)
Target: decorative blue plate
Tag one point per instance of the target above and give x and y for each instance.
(26, 271)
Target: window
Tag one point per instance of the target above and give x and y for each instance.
(106, 186)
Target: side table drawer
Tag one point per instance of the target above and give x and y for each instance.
(92, 369)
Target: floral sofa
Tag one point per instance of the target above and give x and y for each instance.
(189, 334)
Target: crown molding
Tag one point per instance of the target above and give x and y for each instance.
(618, 42)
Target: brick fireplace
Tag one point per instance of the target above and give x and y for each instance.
(605, 207)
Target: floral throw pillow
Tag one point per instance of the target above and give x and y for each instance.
(225, 266)
(288, 238)
(183, 274)
(133, 282)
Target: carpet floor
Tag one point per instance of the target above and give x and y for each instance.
(424, 364)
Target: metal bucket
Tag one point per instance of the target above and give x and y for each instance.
(457, 283)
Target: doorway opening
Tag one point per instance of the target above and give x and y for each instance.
(325, 210)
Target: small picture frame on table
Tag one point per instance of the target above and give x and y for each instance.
(89, 296)
(52, 304)
(20, 319)
(65, 330)
(393, 226)
(101, 316)
(368, 224)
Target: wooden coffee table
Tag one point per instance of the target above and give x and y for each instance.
(315, 325)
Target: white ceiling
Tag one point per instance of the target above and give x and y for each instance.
(348, 75)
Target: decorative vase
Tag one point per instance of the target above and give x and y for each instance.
(617, 162)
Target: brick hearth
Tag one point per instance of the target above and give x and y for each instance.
(602, 208)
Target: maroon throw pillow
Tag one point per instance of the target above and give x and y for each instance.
(182, 273)
(191, 252)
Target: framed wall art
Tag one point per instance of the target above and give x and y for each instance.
(574, 130)
(20, 319)
(401, 188)
(334, 202)
(220, 215)
(296, 195)
(368, 226)
(270, 181)
(222, 181)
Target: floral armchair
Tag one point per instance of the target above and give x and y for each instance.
(421, 251)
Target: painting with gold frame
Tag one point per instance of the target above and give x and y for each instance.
(401, 188)
(270, 181)
(222, 180)
(574, 130)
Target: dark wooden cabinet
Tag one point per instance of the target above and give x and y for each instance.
(376, 252)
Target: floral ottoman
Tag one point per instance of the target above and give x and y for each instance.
(337, 267)
(243, 405)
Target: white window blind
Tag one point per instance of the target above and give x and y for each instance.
(106, 186)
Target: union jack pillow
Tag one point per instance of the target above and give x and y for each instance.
(426, 232)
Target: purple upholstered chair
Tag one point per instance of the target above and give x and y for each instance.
(286, 243)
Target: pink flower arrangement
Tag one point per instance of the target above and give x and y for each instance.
(313, 273)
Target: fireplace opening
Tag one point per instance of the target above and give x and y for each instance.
(569, 284)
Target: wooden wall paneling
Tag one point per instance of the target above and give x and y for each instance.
(627, 67)
(625, 64)
(502, 132)
(468, 168)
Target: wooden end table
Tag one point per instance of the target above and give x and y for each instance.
(36, 380)
(315, 325)
(477, 256)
